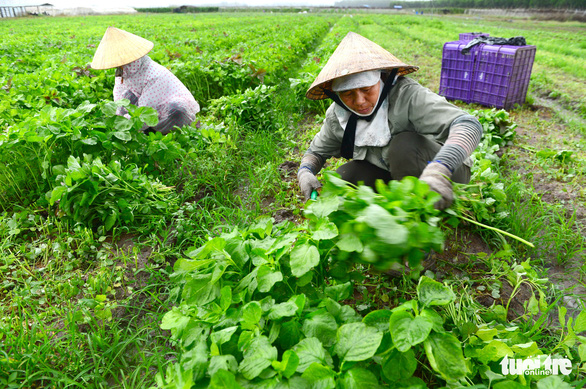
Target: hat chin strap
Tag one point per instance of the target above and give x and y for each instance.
(347, 147)
(120, 73)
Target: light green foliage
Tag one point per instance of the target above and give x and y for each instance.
(498, 125)
(399, 224)
(307, 336)
(431, 292)
(291, 331)
(251, 109)
(53, 139)
(92, 193)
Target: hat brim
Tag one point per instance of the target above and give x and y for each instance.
(353, 55)
(118, 48)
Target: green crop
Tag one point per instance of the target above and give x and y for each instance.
(265, 307)
(255, 306)
(95, 194)
(397, 225)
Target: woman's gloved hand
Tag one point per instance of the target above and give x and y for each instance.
(307, 182)
(438, 177)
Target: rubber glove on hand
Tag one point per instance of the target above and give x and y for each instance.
(438, 177)
(307, 182)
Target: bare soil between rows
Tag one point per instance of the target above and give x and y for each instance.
(566, 277)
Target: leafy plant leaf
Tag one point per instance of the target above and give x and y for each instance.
(251, 314)
(290, 334)
(286, 309)
(319, 376)
(110, 221)
(196, 360)
(321, 325)
(122, 135)
(303, 258)
(528, 349)
(311, 350)
(288, 365)
(378, 319)
(56, 194)
(323, 206)
(431, 292)
(407, 331)
(267, 278)
(415, 383)
(357, 341)
(339, 292)
(398, 366)
(445, 356)
(358, 378)
(149, 116)
(386, 226)
(350, 243)
(199, 290)
(582, 352)
(174, 320)
(553, 382)
(257, 357)
(223, 379)
(324, 230)
(494, 351)
(222, 336)
(580, 323)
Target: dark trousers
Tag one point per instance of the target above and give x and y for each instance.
(408, 155)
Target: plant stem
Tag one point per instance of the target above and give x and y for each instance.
(497, 230)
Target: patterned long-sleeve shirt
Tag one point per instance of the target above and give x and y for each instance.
(147, 83)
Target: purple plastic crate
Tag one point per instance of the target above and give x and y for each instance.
(501, 75)
(457, 72)
(468, 36)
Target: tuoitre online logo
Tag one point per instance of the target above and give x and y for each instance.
(536, 366)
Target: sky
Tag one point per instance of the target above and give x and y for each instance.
(163, 3)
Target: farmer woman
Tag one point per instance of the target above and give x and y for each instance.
(143, 81)
(387, 125)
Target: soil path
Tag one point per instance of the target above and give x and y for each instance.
(544, 131)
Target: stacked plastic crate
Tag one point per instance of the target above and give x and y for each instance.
(458, 71)
(491, 75)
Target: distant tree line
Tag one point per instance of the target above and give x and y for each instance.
(187, 9)
(155, 10)
(266, 9)
(182, 9)
(535, 4)
(193, 9)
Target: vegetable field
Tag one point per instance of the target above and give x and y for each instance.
(130, 260)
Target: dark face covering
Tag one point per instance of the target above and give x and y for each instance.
(347, 147)
(119, 72)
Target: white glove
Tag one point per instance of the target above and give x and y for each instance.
(307, 182)
(438, 177)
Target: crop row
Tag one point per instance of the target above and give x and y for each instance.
(271, 305)
(38, 98)
(558, 53)
(211, 59)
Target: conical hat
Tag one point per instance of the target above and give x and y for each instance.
(119, 47)
(355, 54)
